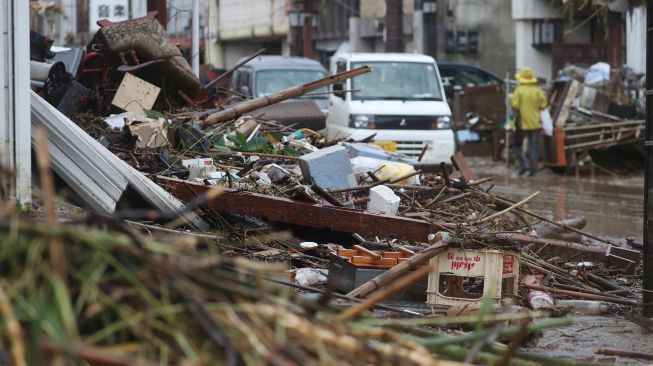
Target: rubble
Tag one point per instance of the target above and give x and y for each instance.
(353, 225)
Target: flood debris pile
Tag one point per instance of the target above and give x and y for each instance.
(594, 109)
(120, 298)
(180, 191)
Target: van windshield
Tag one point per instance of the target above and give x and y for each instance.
(272, 81)
(397, 81)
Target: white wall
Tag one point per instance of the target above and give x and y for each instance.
(636, 38)
(523, 11)
(527, 55)
(535, 9)
(243, 19)
(213, 50)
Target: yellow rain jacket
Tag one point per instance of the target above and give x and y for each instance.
(529, 100)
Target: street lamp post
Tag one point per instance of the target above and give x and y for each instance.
(301, 30)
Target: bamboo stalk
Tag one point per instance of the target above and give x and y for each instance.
(411, 263)
(384, 293)
(57, 258)
(583, 295)
(464, 319)
(13, 329)
(292, 92)
(94, 355)
(512, 348)
(516, 205)
(621, 353)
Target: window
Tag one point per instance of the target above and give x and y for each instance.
(471, 77)
(546, 32)
(272, 81)
(397, 81)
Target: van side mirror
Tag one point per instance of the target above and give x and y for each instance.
(244, 90)
(338, 90)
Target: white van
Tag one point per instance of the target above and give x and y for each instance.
(401, 102)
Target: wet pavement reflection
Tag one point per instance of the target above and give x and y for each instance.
(613, 206)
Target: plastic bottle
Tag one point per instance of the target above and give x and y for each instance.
(587, 307)
(539, 300)
(297, 135)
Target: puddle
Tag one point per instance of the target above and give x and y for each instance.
(613, 206)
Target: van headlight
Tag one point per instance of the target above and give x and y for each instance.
(362, 121)
(443, 123)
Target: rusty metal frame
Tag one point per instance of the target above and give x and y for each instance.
(306, 214)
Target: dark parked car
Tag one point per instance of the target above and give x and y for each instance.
(458, 75)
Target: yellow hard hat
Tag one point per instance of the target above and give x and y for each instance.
(526, 76)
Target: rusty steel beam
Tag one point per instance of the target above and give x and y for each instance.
(306, 214)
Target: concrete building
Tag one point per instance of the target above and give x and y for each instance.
(479, 32)
(473, 31)
(547, 37)
(241, 27)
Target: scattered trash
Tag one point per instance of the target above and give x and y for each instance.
(540, 300)
(329, 168)
(308, 245)
(585, 307)
(150, 133)
(310, 276)
(383, 200)
(231, 180)
(135, 95)
(463, 276)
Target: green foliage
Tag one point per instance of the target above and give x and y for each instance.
(256, 145)
(151, 113)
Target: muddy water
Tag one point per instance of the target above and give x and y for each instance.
(613, 206)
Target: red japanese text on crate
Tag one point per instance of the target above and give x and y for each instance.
(465, 262)
(508, 264)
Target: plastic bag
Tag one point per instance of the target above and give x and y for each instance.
(547, 122)
(597, 74)
(383, 169)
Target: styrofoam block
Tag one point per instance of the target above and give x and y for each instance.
(187, 163)
(383, 200)
(201, 171)
(329, 168)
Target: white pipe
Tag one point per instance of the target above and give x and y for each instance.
(39, 70)
(195, 49)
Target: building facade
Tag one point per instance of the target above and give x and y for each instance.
(552, 33)
(480, 32)
(238, 28)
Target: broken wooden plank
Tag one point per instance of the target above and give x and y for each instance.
(288, 211)
(459, 162)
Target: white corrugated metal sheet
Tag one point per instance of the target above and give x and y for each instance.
(98, 176)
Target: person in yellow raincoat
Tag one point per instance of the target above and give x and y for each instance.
(528, 100)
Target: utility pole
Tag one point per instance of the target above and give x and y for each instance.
(307, 31)
(647, 298)
(195, 47)
(394, 26)
(161, 6)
